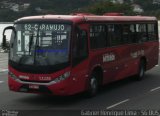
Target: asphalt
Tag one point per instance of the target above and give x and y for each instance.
(3, 62)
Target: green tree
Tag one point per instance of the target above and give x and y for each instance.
(104, 7)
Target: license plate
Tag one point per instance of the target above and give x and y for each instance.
(33, 86)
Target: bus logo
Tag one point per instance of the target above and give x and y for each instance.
(109, 57)
(137, 53)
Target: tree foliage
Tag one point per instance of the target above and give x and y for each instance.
(106, 7)
(69, 6)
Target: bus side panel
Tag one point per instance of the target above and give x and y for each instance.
(122, 66)
(151, 53)
(128, 63)
(96, 60)
(124, 63)
(134, 53)
(118, 68)
(79, 76)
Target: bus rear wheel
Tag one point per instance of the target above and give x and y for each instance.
(93, 86)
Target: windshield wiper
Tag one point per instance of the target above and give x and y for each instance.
(30, 43)
(36, 46)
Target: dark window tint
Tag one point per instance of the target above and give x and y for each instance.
(151, 32)
(98, 36)
(141, 33)
(114, 34)
(128, 32)
(80, 46)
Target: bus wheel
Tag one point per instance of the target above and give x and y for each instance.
(93, 86)
(142, 68)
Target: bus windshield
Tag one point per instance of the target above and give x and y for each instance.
(40, 44)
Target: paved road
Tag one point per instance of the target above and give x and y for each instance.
(125, 94)
(3, 61)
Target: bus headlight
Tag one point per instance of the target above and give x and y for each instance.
(12, 75)
(62, 77)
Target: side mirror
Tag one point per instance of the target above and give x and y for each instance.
(4, 41)
(9, 28)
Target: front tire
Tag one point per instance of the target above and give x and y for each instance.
(93, 86)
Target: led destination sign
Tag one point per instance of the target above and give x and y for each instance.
(44, 27)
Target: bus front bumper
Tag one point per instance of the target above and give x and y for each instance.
(53, 88)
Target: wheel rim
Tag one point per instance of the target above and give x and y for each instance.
(93, 85)
(141, 74)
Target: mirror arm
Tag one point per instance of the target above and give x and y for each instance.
(4, 44)
(9, 28)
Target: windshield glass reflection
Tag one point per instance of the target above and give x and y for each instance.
(40, 44)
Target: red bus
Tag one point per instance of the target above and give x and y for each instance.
(69, 54)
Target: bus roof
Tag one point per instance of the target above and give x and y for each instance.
(92, 18)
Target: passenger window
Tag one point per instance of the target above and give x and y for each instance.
(133, 33)
(126, 34)
(151, 32)
(114, 34)
(141, 33)
(98, 36)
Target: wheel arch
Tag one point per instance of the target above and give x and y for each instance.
(143, 58)
(98, 71)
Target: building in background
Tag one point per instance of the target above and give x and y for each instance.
(156, 2)
(117, 1)
(137, 8)
(14, 6)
